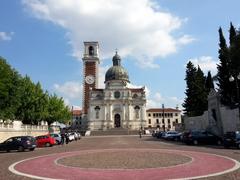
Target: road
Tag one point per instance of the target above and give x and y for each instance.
(121, 149)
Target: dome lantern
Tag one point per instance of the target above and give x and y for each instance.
(116, 72)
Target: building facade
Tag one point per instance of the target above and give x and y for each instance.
(164, 118)
(115, 106)
(76, 119)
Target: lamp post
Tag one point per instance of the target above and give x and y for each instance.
(163, 118)
(236, 79)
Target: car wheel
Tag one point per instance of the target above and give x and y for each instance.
(195, 142)
(219, 142)
(226, 146)
(20, 148)
(58, 142)
(238, 146)
(31, 149)
(47, 144)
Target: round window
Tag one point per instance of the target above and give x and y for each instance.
(117, 94)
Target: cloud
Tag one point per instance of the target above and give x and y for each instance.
(70, 91)
(186, 39)
(206, 63)
(4, 36)
(156, 100)
(101, 77)
(138, 28)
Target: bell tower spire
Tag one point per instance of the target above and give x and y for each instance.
(90, 71)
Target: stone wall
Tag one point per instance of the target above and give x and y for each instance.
(230, 119)
(197, 122)
(217, 119)
(7, 134)
(16, 128)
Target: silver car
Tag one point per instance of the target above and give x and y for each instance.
(57, 137)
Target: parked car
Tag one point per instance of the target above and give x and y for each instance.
(70, 136)
(200, 137)
(172, 135)
(19, 143)
(159, 134)
(231, 139)
(45, 140)
(57, 137)
(77, 135)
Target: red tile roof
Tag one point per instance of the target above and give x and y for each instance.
(77, 112)
(161, 110)
(136, 89)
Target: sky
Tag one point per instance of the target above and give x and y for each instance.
(155, 39)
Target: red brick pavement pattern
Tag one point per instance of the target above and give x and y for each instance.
(202, 164)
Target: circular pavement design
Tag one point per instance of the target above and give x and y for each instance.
(199, 165)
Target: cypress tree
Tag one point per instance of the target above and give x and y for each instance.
(209, 82)
(235, 66)
(189, 100)
(225, 87)
(200, 96)
(232, 34)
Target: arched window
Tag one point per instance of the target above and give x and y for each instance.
(135, 96)
(137, 108)
(91, 51)
(97, 109)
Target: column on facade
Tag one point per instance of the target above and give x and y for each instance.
(129, 115)
(123, 116)
(143, 115)
(110, 115)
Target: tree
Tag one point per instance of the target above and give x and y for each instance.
(26, 110)
(209, 82)
(57, 111)
(225, 87)
(22, 99)
(195, 102)
(9, 90)
(189, 100)
(232, 34)
(200, 93)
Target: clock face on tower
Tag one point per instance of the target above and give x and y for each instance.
(89, 79)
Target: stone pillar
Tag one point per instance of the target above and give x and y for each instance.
(110, 116)
(143, 116)
(123, 116)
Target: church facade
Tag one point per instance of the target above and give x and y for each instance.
(116, 105)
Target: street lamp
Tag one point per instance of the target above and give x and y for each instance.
(236, 79)
(163, 118)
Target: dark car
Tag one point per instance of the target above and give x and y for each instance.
(172, 135)
(231, 139)
(200, 137)
(159, 134)
(19, 143)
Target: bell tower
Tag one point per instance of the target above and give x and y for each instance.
(90, 71)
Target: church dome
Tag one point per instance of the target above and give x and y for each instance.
(116, 72)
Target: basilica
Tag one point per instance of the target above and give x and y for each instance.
(116, 105)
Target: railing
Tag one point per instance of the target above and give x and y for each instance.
(5, 126)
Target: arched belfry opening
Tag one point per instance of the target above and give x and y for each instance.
(117, 121)
(91, 51)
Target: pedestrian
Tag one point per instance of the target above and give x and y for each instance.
(140, 133)
(66, 137)
(62, 138)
